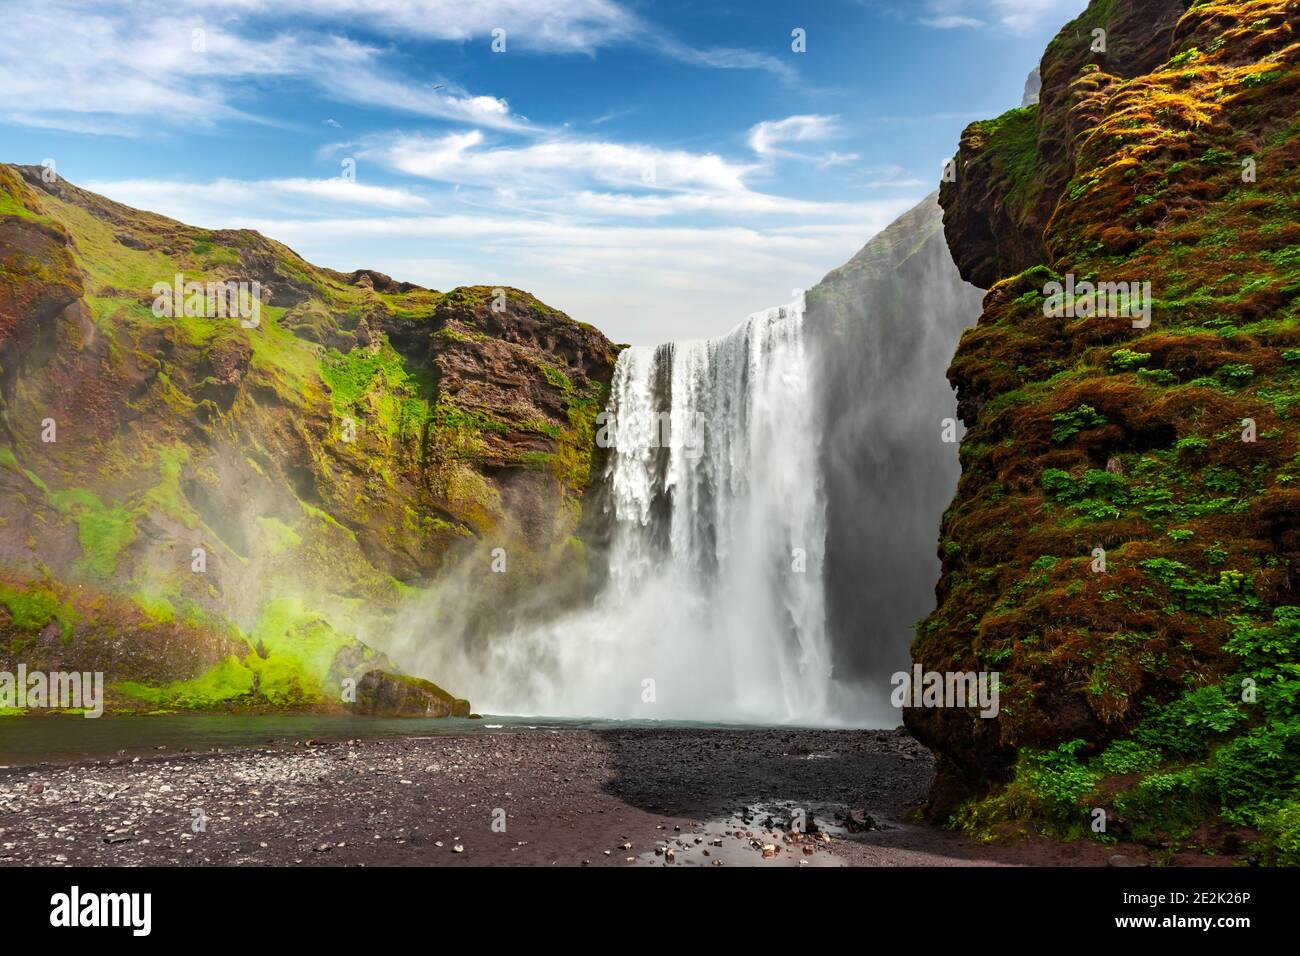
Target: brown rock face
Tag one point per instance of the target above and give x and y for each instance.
(1010, 172)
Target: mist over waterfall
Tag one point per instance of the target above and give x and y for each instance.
(882, 330)
(712, 605)
(764, 522)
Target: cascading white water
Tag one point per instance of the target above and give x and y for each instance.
(714, 606)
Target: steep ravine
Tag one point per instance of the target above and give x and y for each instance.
(1161, 687)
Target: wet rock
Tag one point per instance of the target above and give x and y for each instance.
(382, 694)
(858, 821)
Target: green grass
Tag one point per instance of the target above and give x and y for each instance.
(167, 495)
(380, 386)
(156, 607)
(104, 531)
(109, 264)
(226, 681)
(32, 609)
(11, 207)
(279, 536)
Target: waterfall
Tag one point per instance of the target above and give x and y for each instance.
(713, 605)
(767, 516)
(719, 517)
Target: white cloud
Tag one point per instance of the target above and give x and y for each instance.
(212, 203)
(1016, 16)
(86, 66)
(554, 164)
(769, 137)
(951, 22)
(136, 70)
(655, 206)
(551, 26)
(542, 25)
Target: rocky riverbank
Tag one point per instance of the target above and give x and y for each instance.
(633, 797)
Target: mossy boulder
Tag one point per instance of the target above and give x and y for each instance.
(381, 694)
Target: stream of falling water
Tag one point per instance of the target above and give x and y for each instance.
(714, 604)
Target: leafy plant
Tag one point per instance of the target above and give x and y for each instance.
(1068, 424)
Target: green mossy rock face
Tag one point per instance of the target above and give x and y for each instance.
(280, 487)
(1164, 689)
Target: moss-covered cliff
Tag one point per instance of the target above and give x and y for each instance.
(213, 513)
(1163, 689)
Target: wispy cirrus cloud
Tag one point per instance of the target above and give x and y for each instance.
(150, 63)
(285, 196)
(770, 137)
(134, 72)
(551, 26)
(951, 21)
(546, 26)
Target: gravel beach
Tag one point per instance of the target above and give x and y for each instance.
(635, 797)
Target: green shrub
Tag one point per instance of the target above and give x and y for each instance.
(1068, 424)
(1282, 830)
(1126, 360)
(1128, 756)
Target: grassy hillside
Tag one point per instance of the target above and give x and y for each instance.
(261, 500)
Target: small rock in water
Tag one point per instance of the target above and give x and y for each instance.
(858, 821)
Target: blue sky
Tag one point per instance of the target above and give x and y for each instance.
(657, 169)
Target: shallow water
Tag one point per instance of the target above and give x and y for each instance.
(64, 739)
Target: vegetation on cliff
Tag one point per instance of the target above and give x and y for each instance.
(1164, 689)
(221, 513)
